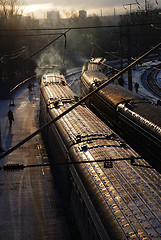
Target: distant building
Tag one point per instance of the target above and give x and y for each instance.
(110, 20)
(53, 15)
(82, 14)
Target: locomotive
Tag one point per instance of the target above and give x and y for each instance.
(133, 117)
(112, 192)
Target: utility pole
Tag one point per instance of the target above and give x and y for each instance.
(129, 42)
(145, 5)
(129, 45)
(130, 5)
(114, 12)
(129, 56)
(121, 47)
(1, 149)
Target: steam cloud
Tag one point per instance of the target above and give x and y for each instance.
(49, 61)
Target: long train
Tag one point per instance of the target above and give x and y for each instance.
(130, 115)
(112, 192)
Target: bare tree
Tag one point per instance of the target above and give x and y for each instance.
(71, 14)
(11, 7)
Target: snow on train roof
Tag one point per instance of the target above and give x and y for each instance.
(98, 77)
(96, 60)
(116, 95)
(53, 78)
(127, 190)
(103, 61)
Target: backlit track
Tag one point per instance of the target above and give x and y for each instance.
(152, 83)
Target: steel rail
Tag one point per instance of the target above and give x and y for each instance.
(151, 82)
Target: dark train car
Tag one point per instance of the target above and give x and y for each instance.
(112, 192)
(133, 117)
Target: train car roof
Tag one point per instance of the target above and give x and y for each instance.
(52, 78)
(129, 194)
(116, 94)
(95, 76)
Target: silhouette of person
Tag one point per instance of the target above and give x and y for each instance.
(10, 117)
(136, 87)
(121, 81)
(30, 87)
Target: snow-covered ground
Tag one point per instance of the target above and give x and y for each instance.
(159, 79)
(30, 206)
(138, 75)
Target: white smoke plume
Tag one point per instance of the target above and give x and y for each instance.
(49, 61)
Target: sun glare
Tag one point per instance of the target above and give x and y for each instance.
(37, 9)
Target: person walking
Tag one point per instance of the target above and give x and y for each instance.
(10, 117)
(136, 87)
(30, 87)
(121, 81)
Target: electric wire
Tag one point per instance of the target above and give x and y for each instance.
(13, 54)
(30, 35)
(82, 28)
(79, 102)
(47, 45)
(120, 58)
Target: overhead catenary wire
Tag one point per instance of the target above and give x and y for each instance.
(79, 102)
(83, 27)
(13, 54)
(108, 163)
(31, 35)
(16, 53)
(119, 58)
(63, 28)
(62, 34)
(37, 52)
(71, 28)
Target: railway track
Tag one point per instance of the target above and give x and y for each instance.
(152, 82)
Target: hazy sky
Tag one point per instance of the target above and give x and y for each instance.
(91, 6)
